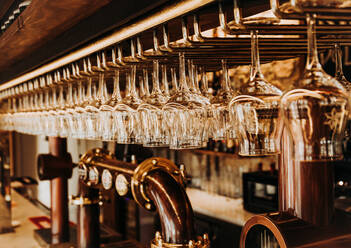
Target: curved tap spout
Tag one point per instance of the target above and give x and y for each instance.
(173, 206)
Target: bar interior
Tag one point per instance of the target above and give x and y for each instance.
(188, 124)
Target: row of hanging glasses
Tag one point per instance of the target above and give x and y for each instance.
(180, 112)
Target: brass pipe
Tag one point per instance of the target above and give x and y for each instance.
(177, 9)
(173, 206)
(156, 184)
(117, 166)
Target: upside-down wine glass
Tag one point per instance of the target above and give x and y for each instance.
(219, 107)
(255, 111)
(339, 75)
(151, 115)
(315, 115)
(185, 114)
(125, 112)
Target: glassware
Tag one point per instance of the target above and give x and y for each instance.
(255, 111)
(153, 128)
(78, 123)
(70, 103)
(94, 97)
(91, 111)
(219, 108)
(316, 111)
(174, 84)
(38, 105)
(61, 120)
(116, 99)
(185, 114)
(52, 107)
(315, 115)
(165, 86)
(339, 75)
(126, 115)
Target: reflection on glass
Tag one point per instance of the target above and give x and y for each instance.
(316, 112)
(255, 111)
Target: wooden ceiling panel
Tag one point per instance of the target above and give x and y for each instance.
(40, 22)
(4, 6)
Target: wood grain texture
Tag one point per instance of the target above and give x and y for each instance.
(40, 22)
(4, 6)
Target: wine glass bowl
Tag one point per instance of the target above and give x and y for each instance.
(255, 111)
(316, 112)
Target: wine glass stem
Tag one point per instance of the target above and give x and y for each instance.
(338, 62)
(174, 79)
(116, 90)
(89, 86)
(80, 91)
(155, 75)
(61, 99)
(102, 96)
(146, 82)
(255, 57)
(204, 82)
(182, 82)
(132, 82)
(165, 80)
(312, 55)
(225, 81)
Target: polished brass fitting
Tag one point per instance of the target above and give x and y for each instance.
(96, 153)
(84, 201)
(202, 242)
(141, 172)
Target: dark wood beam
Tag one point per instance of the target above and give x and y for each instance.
(41, 21)
(4, 7)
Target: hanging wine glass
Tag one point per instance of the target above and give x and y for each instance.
(23, 108)
(45, 106)
(315, 115)
(96, 85)
(116, 99)
(52, 106)
(70, 103)
(61, 120)
(151, 115)
(91, 110)
(165, 85)
(126, 115)
(185, 114)
(219, 107)
(38, 105)
(316, 112)
(27, 125)
(79, 110)
(339, 75)
(107, 120)
(174, 82)
(255, 111)
(194, 88)
(11, 110)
